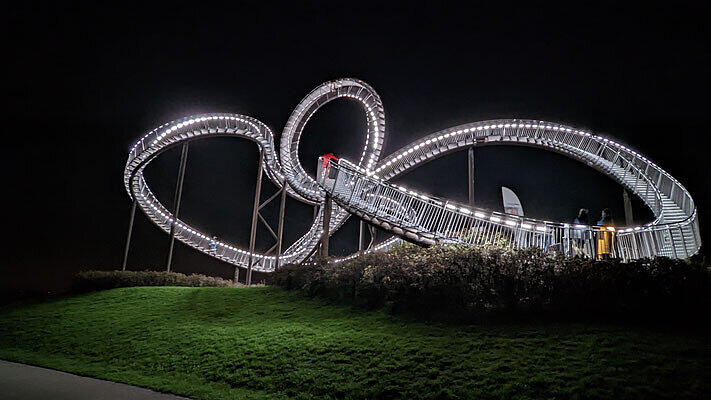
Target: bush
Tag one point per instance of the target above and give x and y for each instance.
(460, 282)
(102, 280)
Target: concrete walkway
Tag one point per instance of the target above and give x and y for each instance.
(25, 382)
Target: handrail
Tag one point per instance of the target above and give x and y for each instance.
(413, 216)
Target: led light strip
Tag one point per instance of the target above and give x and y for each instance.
(671, 203)
(676, 221)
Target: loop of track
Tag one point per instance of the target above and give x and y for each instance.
(673, 233)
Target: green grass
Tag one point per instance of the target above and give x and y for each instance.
(224, 343)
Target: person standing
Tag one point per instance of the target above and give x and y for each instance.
(605, 218)
(582, 218)
(213, 245)
(606, 235)
(580, 232)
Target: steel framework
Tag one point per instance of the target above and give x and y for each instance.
(360, 188)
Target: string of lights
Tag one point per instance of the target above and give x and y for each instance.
(673, 233)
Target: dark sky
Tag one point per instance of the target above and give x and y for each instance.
(83, 82)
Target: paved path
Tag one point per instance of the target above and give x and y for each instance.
(25, 382)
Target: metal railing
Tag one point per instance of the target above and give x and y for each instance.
(673, 233)
(361, 188)
(428, 220)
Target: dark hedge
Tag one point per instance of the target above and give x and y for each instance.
(459, 282)
(102, 280)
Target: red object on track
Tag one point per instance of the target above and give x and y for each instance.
(327, 159)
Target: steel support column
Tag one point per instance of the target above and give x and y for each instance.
(470, 170)
(255, 211)
(629, 218)
(176, 202)
(361, 236)
(326, 225)
(128, 235)
(373, 232)
(280, 228)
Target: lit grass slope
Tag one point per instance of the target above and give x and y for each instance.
(263, 342)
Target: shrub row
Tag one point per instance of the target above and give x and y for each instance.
(463, 283)
(101, 280)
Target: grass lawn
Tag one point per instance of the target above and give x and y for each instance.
(264, 342)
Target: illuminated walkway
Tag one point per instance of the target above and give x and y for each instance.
(360, 186)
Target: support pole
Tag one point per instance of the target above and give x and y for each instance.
(128, 235)
(629, 218)
(373, 232)
(361, 236)
(326, 225)
(255, 210)
(236, 275)
(280, 229)
(176, 202)
(470, 170)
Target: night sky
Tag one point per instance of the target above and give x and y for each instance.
(84, 82)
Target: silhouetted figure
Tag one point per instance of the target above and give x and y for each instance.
(213, 244)
(605, 218)
(579, 234)
(582, 218)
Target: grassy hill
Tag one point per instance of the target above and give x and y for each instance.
(263, 342)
